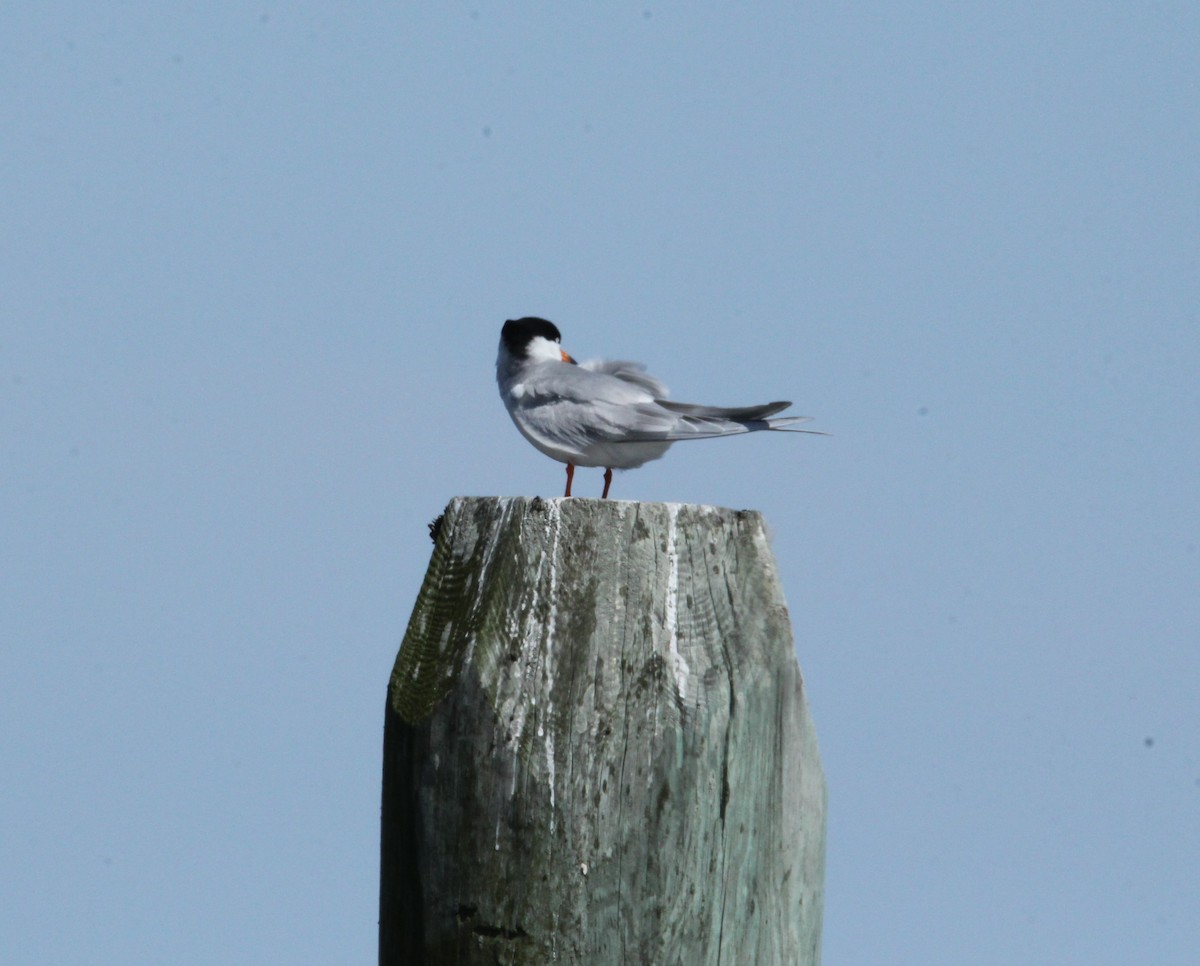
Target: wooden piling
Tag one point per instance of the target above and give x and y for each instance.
(597, 747)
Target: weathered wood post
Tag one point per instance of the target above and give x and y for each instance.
(596, 746)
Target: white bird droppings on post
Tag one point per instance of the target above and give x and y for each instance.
(553, 525)
(679, 664)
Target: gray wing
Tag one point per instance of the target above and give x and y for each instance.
(697, 420)
(692, 421)
(617, 401)
(595, 402)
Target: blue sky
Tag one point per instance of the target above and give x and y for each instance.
(255, 260)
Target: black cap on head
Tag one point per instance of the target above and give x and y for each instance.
(518, 333)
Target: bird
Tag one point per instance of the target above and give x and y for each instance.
(609, 413)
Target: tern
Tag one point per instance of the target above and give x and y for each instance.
(609, 413)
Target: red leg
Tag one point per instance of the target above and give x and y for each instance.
(570, 477)
(607, 482)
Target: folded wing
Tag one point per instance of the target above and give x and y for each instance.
(617, 401)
